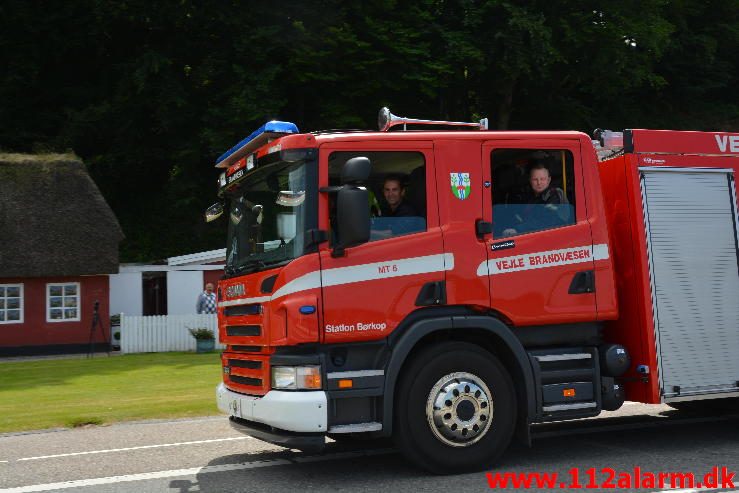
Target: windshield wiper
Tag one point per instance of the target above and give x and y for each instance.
(251, 266)
(277, 262)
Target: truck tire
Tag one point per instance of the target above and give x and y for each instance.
(455, 409)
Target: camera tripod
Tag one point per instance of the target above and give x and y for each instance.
(95, 322)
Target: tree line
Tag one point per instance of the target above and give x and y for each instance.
(150, 93)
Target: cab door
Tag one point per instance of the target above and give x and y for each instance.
(370, 289)
(540, 272)
(461, 181)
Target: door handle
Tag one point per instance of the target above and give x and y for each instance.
(583, 283)
(432, 293)
(483, 228)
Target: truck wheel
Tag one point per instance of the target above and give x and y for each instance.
(455, 409)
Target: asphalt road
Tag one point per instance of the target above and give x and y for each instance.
(206, 455)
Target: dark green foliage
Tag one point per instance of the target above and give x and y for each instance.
(202, 333)
(150, 93)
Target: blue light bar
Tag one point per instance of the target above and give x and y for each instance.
(258, 138)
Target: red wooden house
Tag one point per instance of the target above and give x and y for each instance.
(59, 243)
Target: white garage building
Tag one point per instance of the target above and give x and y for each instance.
(166, 288)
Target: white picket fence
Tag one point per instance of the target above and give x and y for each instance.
(163, 333)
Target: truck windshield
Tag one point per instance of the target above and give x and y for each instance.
(269, 213)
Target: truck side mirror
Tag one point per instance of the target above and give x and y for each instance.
(213, 212)
(352, 217)
(352, 205)
(355, 171)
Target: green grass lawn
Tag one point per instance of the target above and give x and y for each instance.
(73, 392)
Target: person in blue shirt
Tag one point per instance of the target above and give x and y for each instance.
(206, 300)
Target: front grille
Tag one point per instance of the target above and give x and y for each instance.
(247, 374)
(232, 311)
(243, 330)
(247, 349)
(254, 382)
(242, 363)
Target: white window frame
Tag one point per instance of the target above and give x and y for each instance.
(5, 297)
(48, 302)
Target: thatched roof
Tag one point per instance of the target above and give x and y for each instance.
(53, 219)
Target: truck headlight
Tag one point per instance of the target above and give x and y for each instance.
(296, 377)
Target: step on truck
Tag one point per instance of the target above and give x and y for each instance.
(450, 286)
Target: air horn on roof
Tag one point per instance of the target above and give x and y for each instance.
(386, 120)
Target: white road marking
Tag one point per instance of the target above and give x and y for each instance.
(145, 476)
(141, 447)
(190, 472)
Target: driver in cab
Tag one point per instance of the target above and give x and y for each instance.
(394, 193)
(543, 203)
(397, 216)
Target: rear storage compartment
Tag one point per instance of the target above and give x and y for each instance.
(690, 217)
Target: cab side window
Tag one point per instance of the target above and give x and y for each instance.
(533, 190)
(397, 191)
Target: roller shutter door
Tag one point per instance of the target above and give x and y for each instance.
(692, 238)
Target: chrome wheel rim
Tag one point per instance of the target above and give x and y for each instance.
(459, 409)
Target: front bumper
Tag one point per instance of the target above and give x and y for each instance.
(296, 412)
(307, 442)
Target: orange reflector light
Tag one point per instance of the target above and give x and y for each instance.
(568, 392)
(308, 377)
(345, 384)
(313, 382)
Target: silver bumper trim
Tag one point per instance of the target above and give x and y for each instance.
(303, 412)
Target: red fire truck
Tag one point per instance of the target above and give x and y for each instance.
(418, 282)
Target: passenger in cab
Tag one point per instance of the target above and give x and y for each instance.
(395, 204)
(541, 190)
(543, 204)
